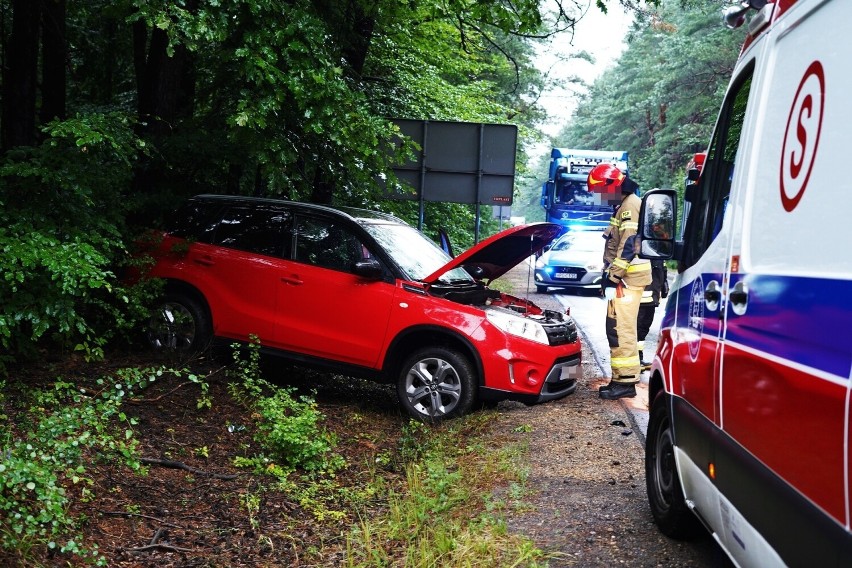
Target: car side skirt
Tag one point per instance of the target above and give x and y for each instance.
(317, 363)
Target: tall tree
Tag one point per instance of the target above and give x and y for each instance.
(20, 76)
(54, 57)
(660, 100)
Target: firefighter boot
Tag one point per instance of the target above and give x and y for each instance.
(614, 391)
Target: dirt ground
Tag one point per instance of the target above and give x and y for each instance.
(586, 501)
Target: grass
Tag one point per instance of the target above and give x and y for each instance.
(447, 512)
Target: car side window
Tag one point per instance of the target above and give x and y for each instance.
(322, 242)
(710, 202)
(195, 221)
(260, 229)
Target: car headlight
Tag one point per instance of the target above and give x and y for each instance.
(516, 325)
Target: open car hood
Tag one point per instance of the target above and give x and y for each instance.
(498, 254)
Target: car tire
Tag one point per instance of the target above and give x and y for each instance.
(436, 383)
(665, 495)
(180, 322)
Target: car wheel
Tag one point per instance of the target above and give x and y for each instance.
(665, 495)
(541, 289)
(436, 383)
(179, 323)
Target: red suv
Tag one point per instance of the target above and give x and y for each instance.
(365, 294)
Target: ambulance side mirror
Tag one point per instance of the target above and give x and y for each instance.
(657, 219)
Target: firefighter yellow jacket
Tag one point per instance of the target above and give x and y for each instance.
(621, 253)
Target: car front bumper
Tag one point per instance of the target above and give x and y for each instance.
(583, 279)
(560, 381)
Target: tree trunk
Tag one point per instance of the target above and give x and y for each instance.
(165, 93)
(53, 89)
(323, 189)
(19, 77)
(165, 85)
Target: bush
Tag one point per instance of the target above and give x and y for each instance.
(288, 426)
(62, 206)
(57, 432)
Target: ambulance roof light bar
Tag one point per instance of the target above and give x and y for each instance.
(734, 16)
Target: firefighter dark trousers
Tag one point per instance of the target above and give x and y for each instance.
(621, 315)
(643, 323)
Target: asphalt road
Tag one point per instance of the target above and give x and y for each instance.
(589, 311)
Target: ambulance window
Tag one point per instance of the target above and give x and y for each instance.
(708, 211)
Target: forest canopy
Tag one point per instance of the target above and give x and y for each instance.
(658, 101)
(115, 111)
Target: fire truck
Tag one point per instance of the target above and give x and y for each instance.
(750, 426)
(564, 196)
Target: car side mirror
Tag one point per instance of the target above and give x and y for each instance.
(369, 268)
(657, 219)
(446, 245)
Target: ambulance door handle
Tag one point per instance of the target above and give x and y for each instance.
(739, 298)
(712, 295)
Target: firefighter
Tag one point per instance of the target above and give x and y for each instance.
(625, 277)
(658, 288)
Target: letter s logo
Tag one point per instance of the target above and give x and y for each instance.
(801, 136)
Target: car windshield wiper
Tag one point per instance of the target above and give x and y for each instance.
(456, 281)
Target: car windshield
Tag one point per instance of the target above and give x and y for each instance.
(586, 241)
(415, 254)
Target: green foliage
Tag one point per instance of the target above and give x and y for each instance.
(60, 235)
(283, 100)
(56, 434)
(288, 426)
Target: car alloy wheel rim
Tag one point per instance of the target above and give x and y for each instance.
(433, 387)
(172, 327)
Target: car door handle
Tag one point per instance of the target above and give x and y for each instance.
(204, 260)
(294, 280)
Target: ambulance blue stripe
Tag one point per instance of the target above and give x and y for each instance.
(804, 320)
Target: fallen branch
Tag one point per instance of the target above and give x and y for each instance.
(164, 395)
(157, 398)
(167, 547)
(140, 515)
(181, 465)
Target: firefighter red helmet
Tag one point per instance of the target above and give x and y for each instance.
(605, 178)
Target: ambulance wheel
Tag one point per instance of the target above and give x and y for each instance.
(436, 383)
(665, 495)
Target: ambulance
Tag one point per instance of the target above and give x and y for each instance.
(749, 429)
